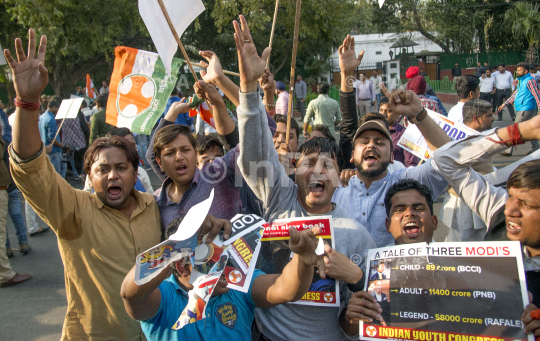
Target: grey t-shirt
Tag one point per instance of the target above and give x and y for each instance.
(260, 167)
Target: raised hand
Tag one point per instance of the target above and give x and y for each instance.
(176, 109)
(267, 81)
(208, 92)
(213, 68)
(30, 77)
(304, 244)
(348, 62)
(405, 103)
(250, 64)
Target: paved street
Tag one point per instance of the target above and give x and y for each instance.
(35, 310)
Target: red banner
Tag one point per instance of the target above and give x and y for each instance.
(279, 230)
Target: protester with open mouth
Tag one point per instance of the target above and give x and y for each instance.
(509, 214)
(410, 219)
(370, 151)
(317, 176)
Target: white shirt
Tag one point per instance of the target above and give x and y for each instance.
(504, 80)
(487, 84)
(376, 81)
(535, 75)
(456, 113)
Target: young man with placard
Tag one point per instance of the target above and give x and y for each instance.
(229, 313)
(509, 214)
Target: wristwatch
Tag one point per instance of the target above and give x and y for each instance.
(418, 118)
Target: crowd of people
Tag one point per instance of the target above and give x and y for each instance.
(376, 193)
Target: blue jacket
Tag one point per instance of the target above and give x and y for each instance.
(524, 99)
(6, 128)
(47, 130)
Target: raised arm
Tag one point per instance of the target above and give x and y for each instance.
(224, 123)
(258, 160)
(30, 77)
(214, 75)
(268, 84)
(56, 202)
(348, 62)
(455, 159)
(407, 103)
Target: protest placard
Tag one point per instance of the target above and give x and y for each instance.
(199, 296)
(181, 244)
(413, 141)
(500, 176)
(447, 291)
(69, 108)
(322, 292)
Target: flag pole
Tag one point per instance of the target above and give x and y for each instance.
(61, 124)
(224, 71)
(177, 38)
(272, 33)
(293, 67)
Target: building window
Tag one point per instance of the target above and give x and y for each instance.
(393, 65)
(378, 53)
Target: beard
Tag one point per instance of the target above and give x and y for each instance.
(372, 173)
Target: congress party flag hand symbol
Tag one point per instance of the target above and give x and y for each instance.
(181, 12)
(139, 89)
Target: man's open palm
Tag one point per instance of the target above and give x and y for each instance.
(348, 61)
(250, 64)
(30, 77)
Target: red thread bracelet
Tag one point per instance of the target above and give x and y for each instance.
(27, 105)
(515, 136)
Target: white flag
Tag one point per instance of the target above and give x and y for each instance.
(181, 12)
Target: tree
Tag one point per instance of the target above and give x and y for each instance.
(524, 21)
(454, 25)
(323, 26)
(81, 35)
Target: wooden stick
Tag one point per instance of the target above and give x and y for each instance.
(293, 67)
(224, 71)
(272, 33)
(61, 124)
(177, 38)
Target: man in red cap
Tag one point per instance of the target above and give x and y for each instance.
(418, 85)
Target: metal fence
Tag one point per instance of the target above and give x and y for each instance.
(470, 60)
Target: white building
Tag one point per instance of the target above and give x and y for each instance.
(377, 47)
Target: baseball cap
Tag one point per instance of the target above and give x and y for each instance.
(373, 125)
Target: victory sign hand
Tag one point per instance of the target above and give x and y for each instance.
(30, 77)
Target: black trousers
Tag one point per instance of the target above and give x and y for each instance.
(488, 96)
(500, 97)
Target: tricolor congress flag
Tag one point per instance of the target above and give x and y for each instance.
(139, 89)
(90, 89)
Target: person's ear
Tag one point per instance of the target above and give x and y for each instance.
(387, 224)
(435, 221)
(159, 163)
